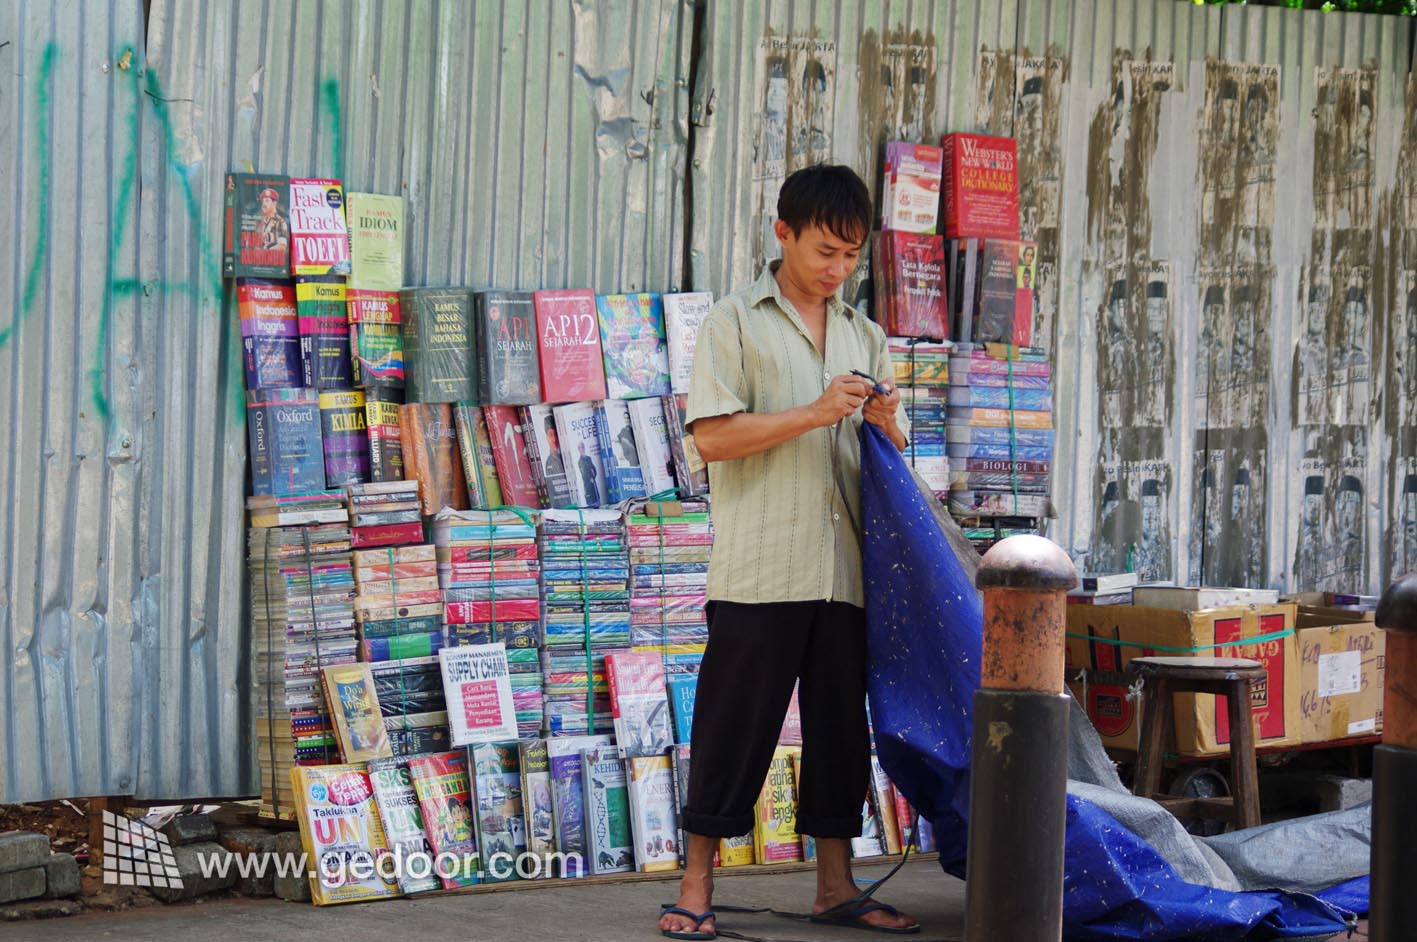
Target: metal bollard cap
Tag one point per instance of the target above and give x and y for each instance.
(1027, 562)
(1397, 609)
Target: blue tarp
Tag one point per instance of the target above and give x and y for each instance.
(924, 621)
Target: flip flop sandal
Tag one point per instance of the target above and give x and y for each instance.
(852, 919)
(698, 934)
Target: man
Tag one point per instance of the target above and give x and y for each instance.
(774, 409)
(272, 226)
(589, 478)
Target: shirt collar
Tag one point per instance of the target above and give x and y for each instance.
(767, 287)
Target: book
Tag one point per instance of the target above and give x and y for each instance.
(375, 338)
(910, 299)
(1000, 397)
(1191, 598)
(344, 436)
(475, 453)
(684, 313)
(509, 456)
(375, 241)
(1108, 583)
(652, 437)
(580, 454)
(257, 225)
(632, 342)
(428, 440)
(507, 364)
(736, 851)
(325, 357)
(543, 446)
(619, 453)
(682, 690)
(568, 344)
(270, 334)
(809, 843)
(287, 452)
(904, 819)
(444, 788)
(679, 763)
(910, 195)
(884, 803)
(478, 689)
(354, 707)
(439, 345)
(638, 702)
(341, 833)
(497, 801)
(607, 812)
(381, 422)
(869, 843)
(568, 798)
(537, 806)
(319, 239)
(775, 837)
(654, 823)
(791, 732)
(403, 823)
(1003, 310)
(690, 469)
(980, 186)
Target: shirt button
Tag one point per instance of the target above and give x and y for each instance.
(836, 516)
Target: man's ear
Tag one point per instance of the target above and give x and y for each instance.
(783, 231)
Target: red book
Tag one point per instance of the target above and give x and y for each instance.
(443, 787)
(477, 613)
(981, 186)
(568, 338)
(903, 816)
(504, 429)
(910, 284)
(791, 733)
(1004, 312)
(392, 534)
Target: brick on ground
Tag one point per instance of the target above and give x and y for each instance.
(22, 850)
(293, 888)
(189, 868)
(21, 884)
(190, 829)
(255, 843)
(62, 877)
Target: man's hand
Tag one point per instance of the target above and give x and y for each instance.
(880, 409)
(842, 397)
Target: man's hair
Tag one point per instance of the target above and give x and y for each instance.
(831, 196)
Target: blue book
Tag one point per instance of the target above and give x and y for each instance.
(1000, 452)
(624, 477)
(982, 435)
(568, 798)
(1001, 397)
(287, 449)
(682, 688)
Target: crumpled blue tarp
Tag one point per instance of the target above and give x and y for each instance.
(924, 624)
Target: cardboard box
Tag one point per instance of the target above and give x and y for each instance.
(1341, 680)
(1105, 639)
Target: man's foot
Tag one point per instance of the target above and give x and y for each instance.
(866, 914)
(695, 896)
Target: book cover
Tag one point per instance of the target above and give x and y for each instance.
(444, 789)
(607, 812)
(287, 453)
(652, 437)
(537, 807)
(884, 801)
(270, 334)
(1004, 308)
(682, 690)
(736, 851)
(791, 732)
(345, 437)
(475, 453)
(428, 439)
(580, 454)
(543, 445)
(869, 844)
(654, 824)
(478, 688)
(497, 794)
(684, 313)
(375, 337)
(319, 239)
(507, 437)
(1000, 397)
(439, 345)
(904, 819)
(568, 343)
(341, 833)
(638, 702)
(375, 241)
(381, 421)
(403, 823)
(257, 226)
(568, 798)
(354, 707)
(911, 199)
(619, 453)
(507, 364)
(325, 356)
(980, 186)
(632, 341)
(775, 837)
(910, 284)
(690, 469)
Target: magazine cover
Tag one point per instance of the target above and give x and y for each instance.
(568, 797)
(537, 805)
(341, 834)
(654, 823)
(775, 837)
(619, 452)
(632, 340)
(638, 702)
(443, 788)
(497, 799)
(403, 822)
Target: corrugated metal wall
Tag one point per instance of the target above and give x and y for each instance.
(551, 149)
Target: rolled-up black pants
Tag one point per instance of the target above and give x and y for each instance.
(755, 653)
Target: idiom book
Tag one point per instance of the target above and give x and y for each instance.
(319, 239)
(568, 344)
(633, 345)
(257, 226)
(507, 371)
(376, 241)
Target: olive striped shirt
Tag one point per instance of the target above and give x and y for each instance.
(783, 530)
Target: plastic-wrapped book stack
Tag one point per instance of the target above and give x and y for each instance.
(922, 373)
(302, 619)
(585, 576)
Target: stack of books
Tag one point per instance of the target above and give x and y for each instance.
(488, 569)
(399, 606)
(385, 514)
(669, 554)
(576, 692)
(922, 373)
(1104, 589)
(524, 665)
(410, 693)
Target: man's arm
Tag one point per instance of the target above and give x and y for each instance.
(740, 434)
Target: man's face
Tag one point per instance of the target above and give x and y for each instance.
(552, 441)
(268, 206)
(1312, 510)
(817, 261)
(1027, 257)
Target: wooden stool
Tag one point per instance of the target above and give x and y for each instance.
(1229, 677)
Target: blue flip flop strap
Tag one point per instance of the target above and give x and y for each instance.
(699, 918)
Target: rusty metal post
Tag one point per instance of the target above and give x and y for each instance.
(1019, 765)
(1393, 906)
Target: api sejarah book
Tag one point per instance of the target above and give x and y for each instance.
(507, 365)
(381, 420)
(632, 341)
(354, 707)
(403, 823)
(568, 344)
(257, 226)
(287, 454)
(375, 338)
(652, 438)
(475, 452)
(497, 800)
(444, 791)
(339, 821)
(580, 454)
(910, 284)
(428, 441)
(325, 355)
(684, 314)
(509, 456)
(319, 239)
(375, 241)
(270, 333)
(345, 437)
(980, 186)
(654, 824)
(620, 455)
(607, 812)
(439, 345)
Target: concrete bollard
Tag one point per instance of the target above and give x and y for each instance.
(1019, 765)
(1393, 905)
